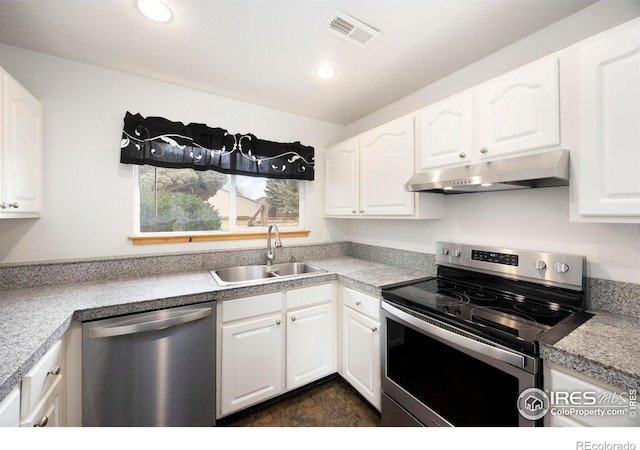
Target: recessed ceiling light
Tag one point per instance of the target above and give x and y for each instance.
(485, 184)
(448, 188)
(155, 10)
(325, 72)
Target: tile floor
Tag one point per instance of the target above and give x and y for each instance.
(330, 404)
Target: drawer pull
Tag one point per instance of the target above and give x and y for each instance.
(42, 423)
(358, 303)
(54, 371)
(374, 329)
(293, 318)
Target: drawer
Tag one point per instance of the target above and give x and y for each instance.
(312, 295)
(361, 302)
(47, 413)
(40, 378)
(257, 305)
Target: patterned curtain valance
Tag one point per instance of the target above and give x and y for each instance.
(159, 142)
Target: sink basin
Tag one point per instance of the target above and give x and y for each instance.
(246, 274)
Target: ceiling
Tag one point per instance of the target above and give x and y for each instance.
(266, 51)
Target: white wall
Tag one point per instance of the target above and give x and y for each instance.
(537, 219)
(88, 194)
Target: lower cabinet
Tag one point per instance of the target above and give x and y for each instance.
(361, 344)
(252, 355)
(10, 409)
(270, 344)
(42, 399)
(575, 399)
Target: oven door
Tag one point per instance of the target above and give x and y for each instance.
(444, 376)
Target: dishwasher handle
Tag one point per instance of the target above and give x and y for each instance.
(151, 325)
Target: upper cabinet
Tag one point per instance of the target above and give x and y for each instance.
(445, 132)
(386, 163)
(20, 151)
(341, 172)
(608, 71)
(365, 176)
(516, 112)
(520, 110)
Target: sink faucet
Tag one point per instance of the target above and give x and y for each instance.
(278, 243)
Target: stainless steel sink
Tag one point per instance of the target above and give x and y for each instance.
(246, 274)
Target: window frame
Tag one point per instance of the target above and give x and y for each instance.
(233, 233)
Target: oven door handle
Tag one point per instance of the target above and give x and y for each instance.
(500, 354)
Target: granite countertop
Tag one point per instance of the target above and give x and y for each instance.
(32, 320)
(606, 347)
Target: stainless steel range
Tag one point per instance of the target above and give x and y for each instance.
(459, 349)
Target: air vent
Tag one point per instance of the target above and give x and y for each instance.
(350, 29)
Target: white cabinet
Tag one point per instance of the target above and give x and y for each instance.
(20, 151)
(588, 393)
(273, 343)
(365, 176)
(445, 132)
(10, 409)
(342, 190)
(252, 353)
(386, 163)
(609, 117)
(520, 110)
(361, 344)
(310, 344)
(42, 397)
(516, 112)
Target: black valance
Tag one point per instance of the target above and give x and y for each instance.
(159, 142)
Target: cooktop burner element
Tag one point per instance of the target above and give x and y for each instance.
(480, 295)
(499, 293)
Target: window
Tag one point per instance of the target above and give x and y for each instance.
(187, 200)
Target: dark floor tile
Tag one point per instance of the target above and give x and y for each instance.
(331, 404)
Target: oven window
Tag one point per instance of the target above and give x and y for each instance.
(463, 390)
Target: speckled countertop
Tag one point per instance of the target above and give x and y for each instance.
(31, 320)
(606, 347)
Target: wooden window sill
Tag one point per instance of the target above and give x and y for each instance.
(180, 238)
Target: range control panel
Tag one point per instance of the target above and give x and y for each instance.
(549, 268)
(493, 257)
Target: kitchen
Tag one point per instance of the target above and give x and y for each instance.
(85, 103)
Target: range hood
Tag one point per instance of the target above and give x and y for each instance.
(550, 168)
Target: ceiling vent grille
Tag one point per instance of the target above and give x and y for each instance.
(350, 29)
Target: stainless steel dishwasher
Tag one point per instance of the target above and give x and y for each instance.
(150, 369)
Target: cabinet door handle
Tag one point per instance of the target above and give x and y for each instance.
(484, 150)
(278, 322)
(374, 329)
(354, 211)
(42, 422)
(462, 155)
(54, 371)
(358, 303)
(293, 318)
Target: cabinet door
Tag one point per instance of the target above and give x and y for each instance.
(252, 362)
(48, 413)
(10, 409)
(310, 345)
(609, 140)
(361, 354)
(446, 132)
(22, 158)
(386, 164)
(520, 110)
(341, 179)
